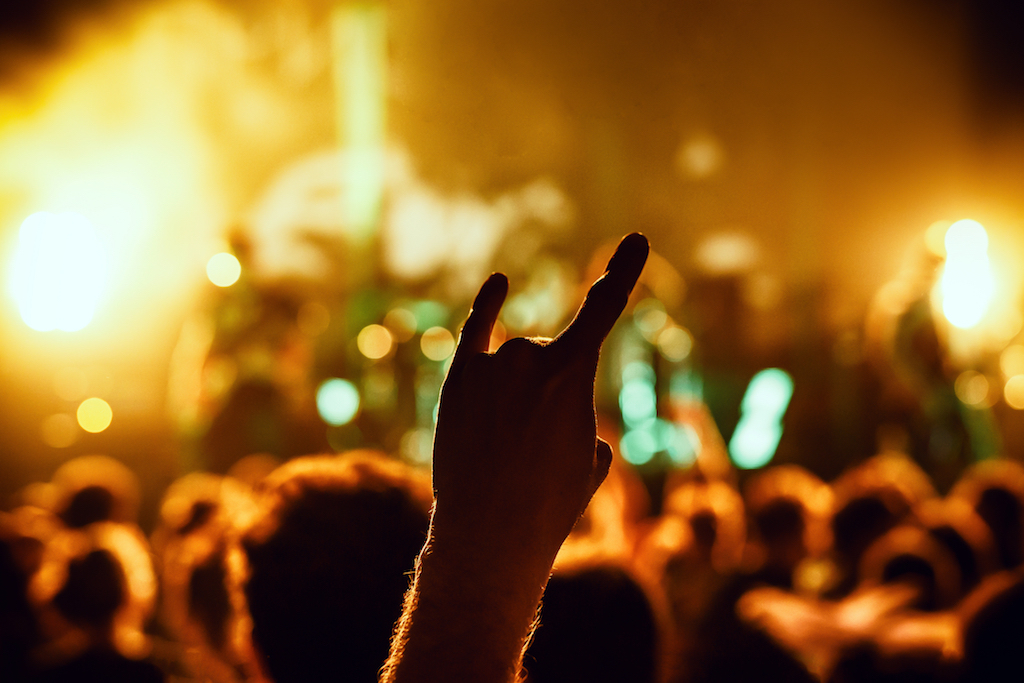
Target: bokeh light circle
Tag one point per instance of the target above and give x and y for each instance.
(94, 415)
(223, 269)
(337, 401)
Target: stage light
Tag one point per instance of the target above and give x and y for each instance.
(757, 435)
(374, 341)
(971, 387)
(650, 317)
(94, 415)
(1011, 360)
(223, 269)
(337, 401)
(675, 343)
(638, 402)
(967, 284)
(437, 343)
(60, 269)
(1013, 392)
(638, 446)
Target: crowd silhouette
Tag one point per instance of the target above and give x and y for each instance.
(521, 558)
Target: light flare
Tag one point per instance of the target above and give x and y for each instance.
(60, 270)
(223, 269)
(967, 284)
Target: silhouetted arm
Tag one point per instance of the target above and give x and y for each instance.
(516, 460)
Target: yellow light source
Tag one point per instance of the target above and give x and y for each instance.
(967, 283)
(971, 387)
(59, 272)
(437, 343)
(94, 415)
(675, 343)
(374, 341)
(223, 269)
(1011, 360)
(1013, 392)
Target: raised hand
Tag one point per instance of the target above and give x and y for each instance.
(516, 460)
(516, 454)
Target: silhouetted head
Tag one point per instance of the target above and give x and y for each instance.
(330, 561)
(88, 505)
(995, 489)
(913, 557)
(93, 591)
(705, 530)
(780, 526)
(858, 524)
(1004, 514)
(596, 624)
(994, 632)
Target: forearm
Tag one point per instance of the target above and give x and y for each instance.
(469, 612)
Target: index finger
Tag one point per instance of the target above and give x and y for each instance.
(606, 299)
(476, 332)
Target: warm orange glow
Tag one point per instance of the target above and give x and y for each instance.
(675, 343)
(59, 431)
(374, 342)
(94, 415)
(1011, 361)
(313, 319)
(1013, 392)
(972, 388)
(437, 343)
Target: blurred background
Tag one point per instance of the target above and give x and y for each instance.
(254, 227)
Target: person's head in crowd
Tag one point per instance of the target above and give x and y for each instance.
(19, 631)
(597, 623)
(993, 631)
(714, 511)
(911, 556)
(871, 499)
(789, 509)
(995, 489)
(95, 488)
(100, 579)
(328, 564)
(962, 532)
(201, 516)
(93, 592)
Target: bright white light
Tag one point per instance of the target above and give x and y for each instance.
(223, 269)
(60, 269)
(967, 283)
(968, 237)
